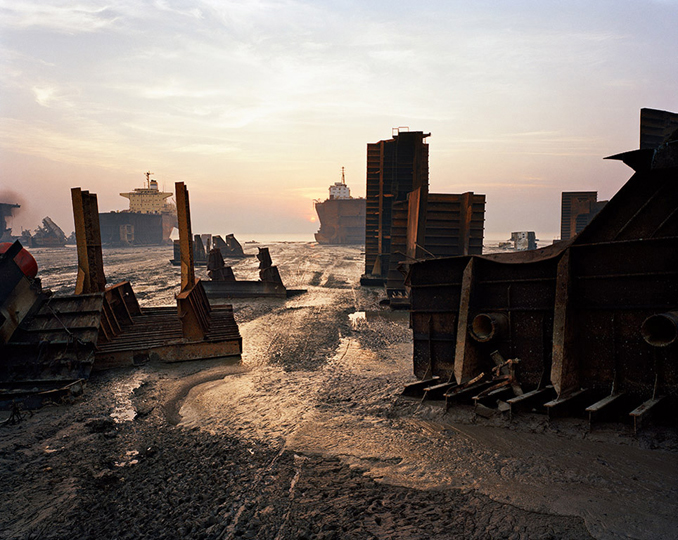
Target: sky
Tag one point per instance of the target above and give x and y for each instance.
(256, 105)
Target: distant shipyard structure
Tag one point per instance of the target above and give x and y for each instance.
(577, 210)
(342, 217)
(47, 235)
(395, 167)
(148, 221)
(404, 221)
(523, 240)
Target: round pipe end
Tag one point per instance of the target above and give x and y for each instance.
(660, 330)
(487, 326)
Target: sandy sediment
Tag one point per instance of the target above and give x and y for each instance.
(307, 437)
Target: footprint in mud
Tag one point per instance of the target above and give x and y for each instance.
(334, 283)
(315, 280)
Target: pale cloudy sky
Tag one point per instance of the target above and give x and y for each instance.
(257, 105)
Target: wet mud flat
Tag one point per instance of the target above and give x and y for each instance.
(308, 437)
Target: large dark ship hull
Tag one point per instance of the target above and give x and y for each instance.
(342, 221)
(135, 229)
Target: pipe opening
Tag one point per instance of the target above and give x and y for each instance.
(660, 330)
(487, 326)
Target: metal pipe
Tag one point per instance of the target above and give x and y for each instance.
(660, 330)
(487, 326)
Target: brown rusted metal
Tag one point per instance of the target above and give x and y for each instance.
(216, 269)
(18, 293)
(267, 272)
(269, 285)
(53, 347)
(185, 237)
(432, 225)
(564, 372)
(489, 326)
(91, 277)
(591, 318)
(199, 251)
(395, 167)
(194, 312)
(416, 224)
(656, 126)
(53, 342)
(47, 343)
(192, 304)
(404, 222)
(157, 335)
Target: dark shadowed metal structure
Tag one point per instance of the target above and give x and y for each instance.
(394, 168)
(589, 323)
(432, 225)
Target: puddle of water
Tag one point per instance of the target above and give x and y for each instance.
(357, 319)
(123, 410)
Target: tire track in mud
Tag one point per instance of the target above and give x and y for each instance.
(306, 370)
(303, 338)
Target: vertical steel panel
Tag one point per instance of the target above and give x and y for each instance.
(91, 277)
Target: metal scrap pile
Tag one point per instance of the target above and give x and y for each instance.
(50, 344)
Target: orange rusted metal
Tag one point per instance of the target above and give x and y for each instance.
(185, 237)
(91, 277)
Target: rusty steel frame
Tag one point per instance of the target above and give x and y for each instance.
(432, 225)
(185, 237)
(595, 313)
(394, 168)
(91, 277)
(189, 331)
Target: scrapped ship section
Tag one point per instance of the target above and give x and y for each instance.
(342, 217)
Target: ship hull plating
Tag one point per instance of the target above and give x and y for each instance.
(342, 221)
(135, 229)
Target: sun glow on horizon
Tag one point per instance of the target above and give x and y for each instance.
(522, 100)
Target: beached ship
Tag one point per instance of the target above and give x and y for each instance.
(342, 217)
(148, 221)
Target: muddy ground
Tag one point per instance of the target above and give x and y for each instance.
(306, 436)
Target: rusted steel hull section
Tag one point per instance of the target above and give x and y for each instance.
(191, 331)
(395, 167)
(224, 285)
(156, 335)
(244, 289)
(49, 344)
(404, 222)
(432, 225)
(46, 343)
(130, 335)
(52, 349)
(91, 276)
(591, 321)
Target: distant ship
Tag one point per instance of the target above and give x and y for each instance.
(49, 235)
(342, 217)
(148, 221)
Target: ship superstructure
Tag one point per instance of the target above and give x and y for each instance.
(148, 221)
(342, 217)
(149, 199)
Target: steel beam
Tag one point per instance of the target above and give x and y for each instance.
(465, 360)
(564, 368)
(185, 237)
(91, 277)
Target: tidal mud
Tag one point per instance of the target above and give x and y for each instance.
(308, 437)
